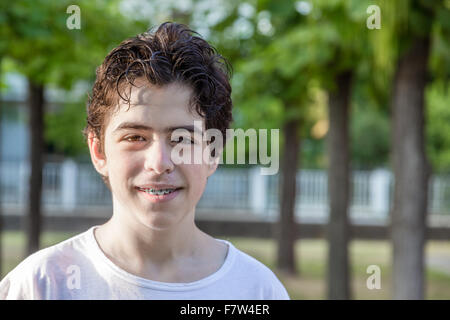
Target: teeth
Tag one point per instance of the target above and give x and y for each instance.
(158, 192)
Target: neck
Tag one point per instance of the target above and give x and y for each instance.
(128, 240)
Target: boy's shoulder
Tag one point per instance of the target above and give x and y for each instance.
(249, 264)
(44, 268)
(254, 273)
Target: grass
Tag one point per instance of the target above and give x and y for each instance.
(311, 264)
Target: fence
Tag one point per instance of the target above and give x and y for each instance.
(235, 192)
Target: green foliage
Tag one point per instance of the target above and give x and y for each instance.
(46, 51)
(276, 74)
(438, 126)
(37, 42)
(369, 138)
(440, 57)
(313, 154)
(63, 129)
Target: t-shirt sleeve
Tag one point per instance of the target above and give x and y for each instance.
(5, 284)
(18, 285)
(30, 280)
(269, 287)
(278, 291)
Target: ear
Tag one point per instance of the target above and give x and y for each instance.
(98, 158)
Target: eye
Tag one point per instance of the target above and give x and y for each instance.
(134, 138)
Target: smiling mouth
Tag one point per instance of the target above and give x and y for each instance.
(158, 192)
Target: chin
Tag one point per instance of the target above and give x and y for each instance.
(156, 223)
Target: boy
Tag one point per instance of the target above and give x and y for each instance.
(150, 89)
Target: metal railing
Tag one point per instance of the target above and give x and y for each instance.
(68, 186)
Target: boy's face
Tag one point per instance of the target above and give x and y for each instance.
(137, 157)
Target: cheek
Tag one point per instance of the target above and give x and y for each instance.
(196, 175)
(122, 167)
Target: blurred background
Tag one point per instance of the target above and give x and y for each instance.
(358, 89)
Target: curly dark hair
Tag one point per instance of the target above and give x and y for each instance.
(172, 53)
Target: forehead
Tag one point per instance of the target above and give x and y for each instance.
(156, 107)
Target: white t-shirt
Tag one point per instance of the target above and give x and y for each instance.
(78, 269)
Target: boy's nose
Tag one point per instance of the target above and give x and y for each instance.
(158, 158)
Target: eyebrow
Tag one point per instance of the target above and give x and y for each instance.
(140, 126)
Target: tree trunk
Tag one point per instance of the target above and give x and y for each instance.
(286, 232)
(339, 188)
(411, 172)
(33, 219)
